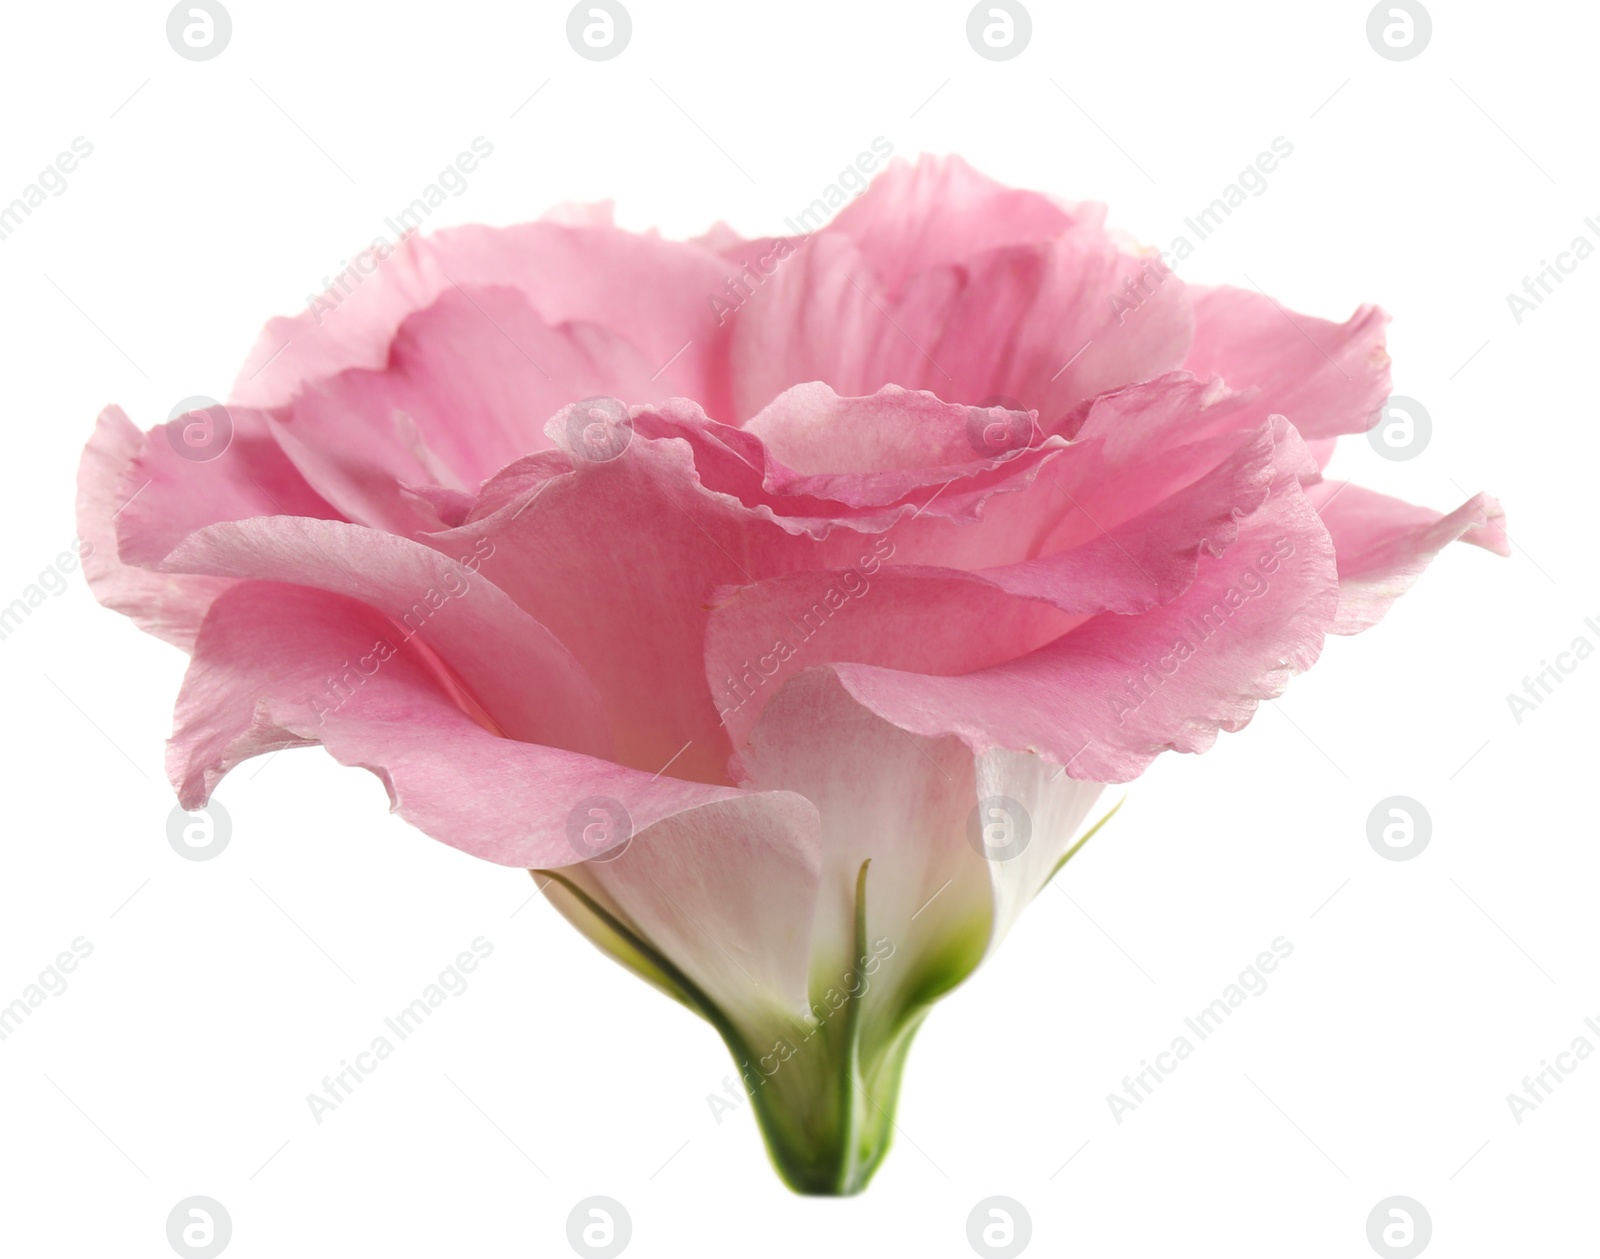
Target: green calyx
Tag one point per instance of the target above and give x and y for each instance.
(823, 1093)
(823, 1088)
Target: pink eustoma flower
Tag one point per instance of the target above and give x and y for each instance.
(784, 605)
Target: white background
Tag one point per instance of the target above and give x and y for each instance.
(1378, 1061)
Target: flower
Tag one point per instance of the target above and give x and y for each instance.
(790, 642)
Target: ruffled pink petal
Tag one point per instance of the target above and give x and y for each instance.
(815, 432)
(1151, 441)
(937, 211)
(1135, 448)
(512, 670)
(1033, 327)
(1110, 696)
(259, 681)
(467, 388)
(654, 294)
(1328, 378)
(1383, 544)
(639, 626)
(722, 881)
(169, 496)
(936, 621)
(619, 558)
(890, 425)
(168, 605)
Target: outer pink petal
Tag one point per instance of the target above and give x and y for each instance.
(468, 386)
(1328, 378)
(638, 626)
(516, 673)
(937, 621)
(258, 682)
(689, 859)
(169, 497)
(619, 559)
(168, 605)
(1383, 544)
(653, 293)
(1108, 697)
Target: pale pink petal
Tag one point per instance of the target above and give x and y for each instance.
(516, 674)
(722, 881)
(1383, 544)
(468, 386)
(1032, 327)
(1328, 378)
(814, 431)
(972, 454)
(619, 558)
(168, 605)
(1110, 696)
(639, 626)
(939, 210)
(652, 293)
(937, 621)
(259, 681)
(169, 496)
